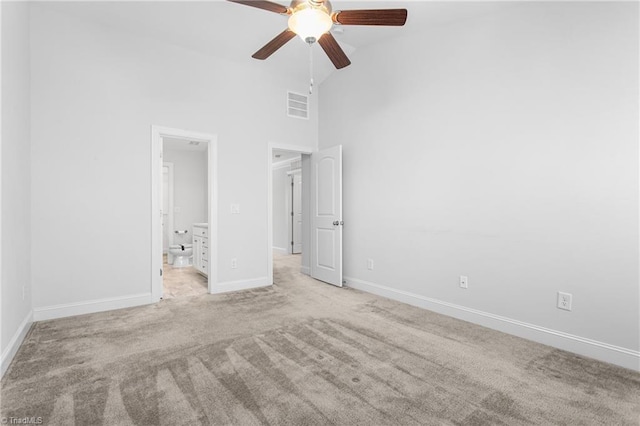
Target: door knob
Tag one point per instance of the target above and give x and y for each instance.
(336, 223)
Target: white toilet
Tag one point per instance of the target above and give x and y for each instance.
(182, 254)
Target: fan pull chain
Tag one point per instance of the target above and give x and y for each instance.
(310, 68)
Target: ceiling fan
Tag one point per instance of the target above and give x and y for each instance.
(312, 20)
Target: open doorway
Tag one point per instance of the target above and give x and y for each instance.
(184, 218)
(321, 223)
(184, 223)
(286, 202)
(289, 237)
(286, 210)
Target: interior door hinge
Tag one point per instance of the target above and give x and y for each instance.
(160, 271)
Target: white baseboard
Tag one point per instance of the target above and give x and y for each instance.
(14, 343)
(624, 357)
(228, 286)
(305, 270)
(280, 250)
(90, 306)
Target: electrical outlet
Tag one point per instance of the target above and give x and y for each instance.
(370, 264)
(564, 301)
(464, 281)
(234, 263)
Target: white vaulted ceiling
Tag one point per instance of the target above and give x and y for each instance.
(234, 31)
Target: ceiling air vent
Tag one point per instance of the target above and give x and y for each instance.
(297, 105)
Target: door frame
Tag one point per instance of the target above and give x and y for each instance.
(169, 166)
(157, 133)
(291, 209)
(270, 147)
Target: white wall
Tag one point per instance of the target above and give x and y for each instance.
(189, 191)
(504, 148)
(15, 314)
(281, 194)
(95, 94)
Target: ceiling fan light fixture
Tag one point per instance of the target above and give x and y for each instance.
(312, 20)
(310, 23)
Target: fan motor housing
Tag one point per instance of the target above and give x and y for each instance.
(316, 4)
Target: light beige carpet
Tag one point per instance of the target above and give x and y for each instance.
(302, 353)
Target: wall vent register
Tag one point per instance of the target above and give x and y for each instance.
(297, 105)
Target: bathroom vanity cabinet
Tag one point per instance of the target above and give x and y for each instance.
(201, 248)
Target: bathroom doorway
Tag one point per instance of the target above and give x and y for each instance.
(184, 207)
(184, 213)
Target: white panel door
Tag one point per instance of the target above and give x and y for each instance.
(297, 213)
(326, 215)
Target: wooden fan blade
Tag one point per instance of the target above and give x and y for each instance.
(265, 5)
(390, 17)
(275, 44)
(334, 51)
